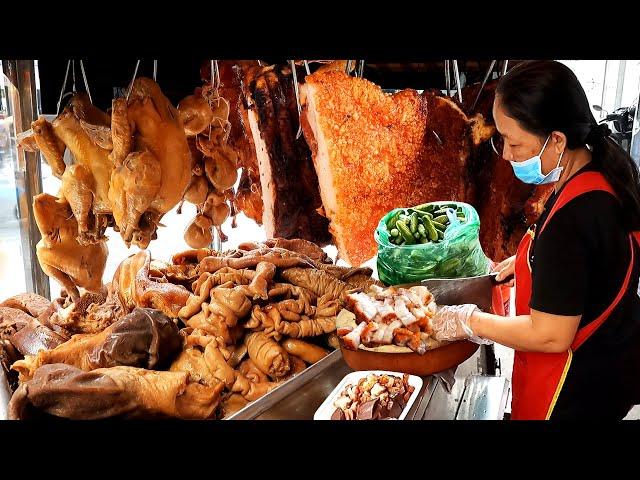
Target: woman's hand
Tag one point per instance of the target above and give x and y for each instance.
(506, 268)
(452, 323)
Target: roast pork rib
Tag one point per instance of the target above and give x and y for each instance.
(288, 182)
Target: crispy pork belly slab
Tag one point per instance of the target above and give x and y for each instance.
(364, 142)
(289, 184)
(374, 152)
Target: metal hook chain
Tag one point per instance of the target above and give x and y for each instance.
(504, 68)
(64, 84)
(456, 74)
(447, 76)
(215, 75)
(155, 69)
(133, 79)
(484, 82)
(295, 89)
(86, 84)
(73, 76)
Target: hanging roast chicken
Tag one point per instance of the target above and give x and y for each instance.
(151, 161)
(84, 130)
(128, 171)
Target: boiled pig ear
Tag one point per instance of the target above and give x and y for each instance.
(99, 134)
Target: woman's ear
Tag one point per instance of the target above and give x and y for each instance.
(558, 141)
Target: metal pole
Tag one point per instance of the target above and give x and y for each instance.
(604, 85)
(484, 82)
(505, 65)
(135, 72)
(622, 67)
(294, 74)
(447, 77)
(64, 84)
(456, 74)
(86, 84)
(27, 171)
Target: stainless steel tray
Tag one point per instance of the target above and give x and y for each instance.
(300, 397)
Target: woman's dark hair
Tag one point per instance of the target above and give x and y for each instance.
(546, 96)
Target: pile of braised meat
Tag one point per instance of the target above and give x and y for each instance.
(390, 316)
(374, 397)
(196, 338)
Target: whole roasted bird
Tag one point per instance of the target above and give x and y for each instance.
(84, 130)
(60, 253)
(151, 161)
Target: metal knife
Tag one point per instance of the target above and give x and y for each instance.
(456, 291)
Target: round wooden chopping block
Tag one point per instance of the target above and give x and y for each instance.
(433, 361)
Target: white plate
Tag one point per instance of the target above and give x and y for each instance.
(326, 409)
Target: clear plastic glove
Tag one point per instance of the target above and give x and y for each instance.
(451, 323)
(504, 269)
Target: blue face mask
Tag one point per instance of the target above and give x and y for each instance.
(530, 171)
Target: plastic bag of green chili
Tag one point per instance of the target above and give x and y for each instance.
(456, 253)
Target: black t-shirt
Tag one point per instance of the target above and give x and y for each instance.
(579, 263)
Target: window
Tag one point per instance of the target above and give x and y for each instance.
(12, 274)
(609, 83)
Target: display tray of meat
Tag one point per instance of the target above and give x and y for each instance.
(390, 329)
(371, 395)
(390, 316)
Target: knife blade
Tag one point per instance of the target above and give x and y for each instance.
(477, 290)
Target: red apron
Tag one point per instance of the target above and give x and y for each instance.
(538, 377)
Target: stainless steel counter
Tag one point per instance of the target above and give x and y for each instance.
(473, 397)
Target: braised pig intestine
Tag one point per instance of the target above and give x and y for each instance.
(268, 355)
